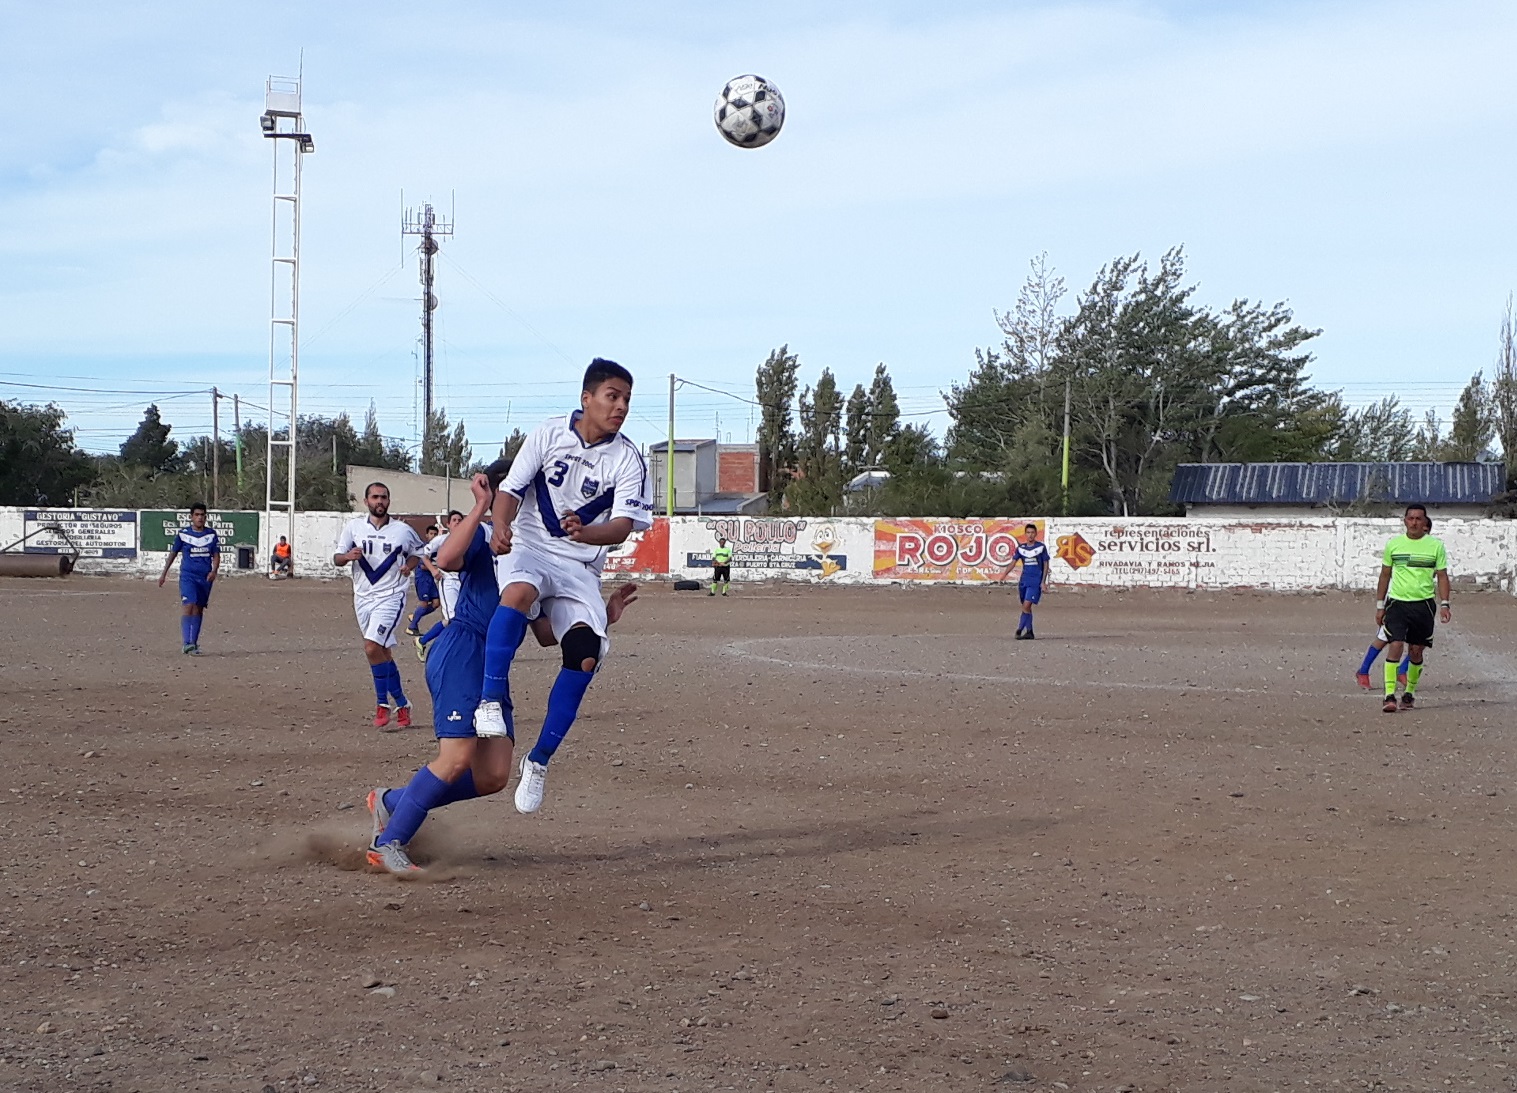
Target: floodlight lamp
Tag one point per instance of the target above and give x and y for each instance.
(266, 120)
(307, 142)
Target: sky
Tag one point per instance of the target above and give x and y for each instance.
(1353, 158)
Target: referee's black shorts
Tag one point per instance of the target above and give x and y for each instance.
(721, 573)
(1410, 621)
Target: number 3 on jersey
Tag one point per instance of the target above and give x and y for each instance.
(560, 468)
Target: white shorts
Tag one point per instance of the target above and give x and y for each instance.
(449, 587)
(569, 591)
(1382, 635)
(379, 617)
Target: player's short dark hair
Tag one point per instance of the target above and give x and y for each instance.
(1031, 527)
(496, 472)
(371, 485)
(454, 512)
(431, 527)
(1415, 506)
(601, 370)
(198, 506)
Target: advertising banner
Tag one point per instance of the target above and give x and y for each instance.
(644, 554)
(159, 528)
(769, 547)
(933, 549)
(94, 533)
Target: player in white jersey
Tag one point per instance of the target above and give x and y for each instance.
(576, 488)
(383, 554)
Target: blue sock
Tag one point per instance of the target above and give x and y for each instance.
(460, 790)
(431, 635)
(392, 684)
(1369, 661)
(421, 612)
(1406, 660)
(184, 629)
(1026, 623)
(563, 707)
(381, 674)
(195, 621)
(422, 794)
(507, 628)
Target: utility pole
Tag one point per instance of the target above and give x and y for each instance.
(669, 456)
(237, 437)
(215, 447)
(426, 223)
(1066, 446)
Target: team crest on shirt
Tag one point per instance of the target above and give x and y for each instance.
(590, 487)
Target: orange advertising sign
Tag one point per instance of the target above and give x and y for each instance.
(644, 554)
(931, 549)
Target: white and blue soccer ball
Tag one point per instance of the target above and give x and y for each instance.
(749, 111)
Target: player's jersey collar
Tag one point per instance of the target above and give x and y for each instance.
(574, 420)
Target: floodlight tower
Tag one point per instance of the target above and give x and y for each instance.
(426, 223)
(282, 122)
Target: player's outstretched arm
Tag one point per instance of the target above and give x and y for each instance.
(455, 548)
(610, 533)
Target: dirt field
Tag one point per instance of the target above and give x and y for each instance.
(804, 838)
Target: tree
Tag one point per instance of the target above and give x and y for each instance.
(376, 450)
(1504, 393)
(774, 387)
(818, 487)
(150, 447)
(39, 464)
(443, 452)
(1474, 425)
(1382, 432)
(856, 426)
(884, 418)
(1023, 378)
(1135, 351)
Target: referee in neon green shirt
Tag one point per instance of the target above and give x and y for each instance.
(1409, 568)
(721, 567)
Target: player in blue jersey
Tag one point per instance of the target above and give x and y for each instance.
(576, 488)
(427, 597)
(1034, 559)
(467, 766)
(199, 547)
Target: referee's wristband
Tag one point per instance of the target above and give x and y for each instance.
(1443, 603)
(1379, 605)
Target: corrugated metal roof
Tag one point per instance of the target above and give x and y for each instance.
(1337, 483)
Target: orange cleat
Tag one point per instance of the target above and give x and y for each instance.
(403, 717)
(381, 716)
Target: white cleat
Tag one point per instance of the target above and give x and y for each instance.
(529, 791)
(490, 720)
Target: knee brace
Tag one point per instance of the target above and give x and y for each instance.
(579, 645)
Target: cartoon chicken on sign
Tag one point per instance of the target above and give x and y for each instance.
(823, 542)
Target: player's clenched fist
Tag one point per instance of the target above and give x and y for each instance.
(500, 538)
(572, 525)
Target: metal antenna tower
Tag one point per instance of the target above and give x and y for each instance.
(282, 122)
(426, 223)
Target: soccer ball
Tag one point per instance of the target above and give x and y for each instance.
(749, 111)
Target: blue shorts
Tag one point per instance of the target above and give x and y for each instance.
(194, 591)
(455, 678)
(426, 586)
(1030, 591)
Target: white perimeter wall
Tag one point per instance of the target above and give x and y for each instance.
(1289, 555)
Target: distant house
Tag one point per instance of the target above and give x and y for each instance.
(710, 479)
(1321, 489)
